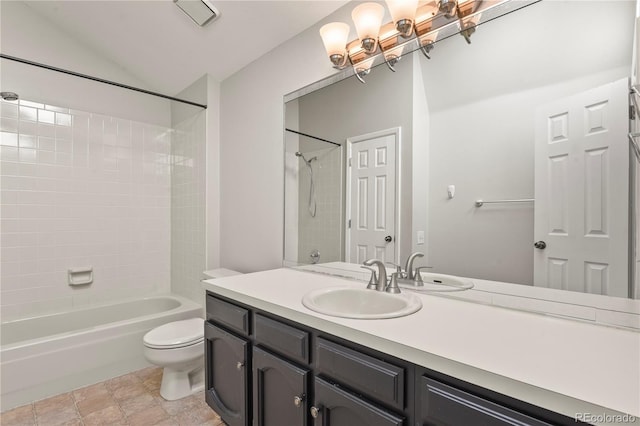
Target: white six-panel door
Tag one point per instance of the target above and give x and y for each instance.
(371, 198)
(581, 192)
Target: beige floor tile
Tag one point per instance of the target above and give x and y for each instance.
(107, 416)
(148, 416)
(59, 418)
(153, 383)
(178, 406)
(95, 403)
(99, 389)
(138, 403)
(146, 373)
(129, 391)
(55, 403)
(202, 415)
(171, 421)
(21, 416)
(184, 419)
(130, 400)
(122, 381)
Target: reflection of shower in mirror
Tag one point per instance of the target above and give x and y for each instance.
(311, 206)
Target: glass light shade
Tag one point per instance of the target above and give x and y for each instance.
(394, 53)
(426, 12)
(335, 36)
(364, 66)
(367, 18)
(402, 9)
(428, 38)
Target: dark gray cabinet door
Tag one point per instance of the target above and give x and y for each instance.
(227, 378)
(443, 405)
(280, 391)
(337, 407)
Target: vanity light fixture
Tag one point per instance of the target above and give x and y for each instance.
(412, 20)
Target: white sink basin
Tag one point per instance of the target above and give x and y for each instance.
(361, 303)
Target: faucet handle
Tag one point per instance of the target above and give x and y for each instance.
(392, 287)
(417, 278)
(399, 271)
(373, 279)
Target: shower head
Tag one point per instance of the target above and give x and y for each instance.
(9, 96)
(301, 155)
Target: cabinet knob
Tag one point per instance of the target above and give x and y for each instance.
(239, 365)
(297, 400)
(315, 411)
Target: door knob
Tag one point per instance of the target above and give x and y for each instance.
(239, 365)
(540, 245)
(297, 400)
(388, 238)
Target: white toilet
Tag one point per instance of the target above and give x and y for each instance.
(179, 347)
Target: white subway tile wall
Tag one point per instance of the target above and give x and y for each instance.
(81, 189)
(188, 204)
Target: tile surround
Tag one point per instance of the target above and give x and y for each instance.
(133, 399)
(188, 206)
(80, 189)
(312, 231)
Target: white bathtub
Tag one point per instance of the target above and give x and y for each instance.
(55, 353)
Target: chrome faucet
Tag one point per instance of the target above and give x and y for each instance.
(410, 273)
(381, 282)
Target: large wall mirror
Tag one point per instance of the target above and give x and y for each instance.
(506, 159)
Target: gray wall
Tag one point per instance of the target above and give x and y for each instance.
(482, 132)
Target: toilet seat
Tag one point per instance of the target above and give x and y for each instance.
(177, 334)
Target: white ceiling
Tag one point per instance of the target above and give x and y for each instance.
(158, 44)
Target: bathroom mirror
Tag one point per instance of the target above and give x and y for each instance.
(470, 147)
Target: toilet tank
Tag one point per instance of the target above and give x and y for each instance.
(219, 273)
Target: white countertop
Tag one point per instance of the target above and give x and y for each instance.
(563, 365)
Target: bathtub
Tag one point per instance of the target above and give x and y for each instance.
(55, 353)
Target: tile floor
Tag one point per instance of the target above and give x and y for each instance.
(133, 399)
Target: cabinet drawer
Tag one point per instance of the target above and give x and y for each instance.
(445, 405)
(228, 314)
(367, 375)
(282, 338)
(337, 407)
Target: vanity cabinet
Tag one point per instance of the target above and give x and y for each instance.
(335, 406)
(226, 376)
(264, 370)
(441, 404)
(280, 391)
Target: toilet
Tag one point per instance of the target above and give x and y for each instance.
(178, 347)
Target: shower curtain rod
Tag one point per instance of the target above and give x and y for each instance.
(99, 80)
(312, 137)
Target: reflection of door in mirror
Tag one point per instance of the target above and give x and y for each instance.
(581, 192)
(371, 197)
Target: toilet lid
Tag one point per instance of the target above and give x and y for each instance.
(176, 334)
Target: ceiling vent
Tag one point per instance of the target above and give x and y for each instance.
(200, 11)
